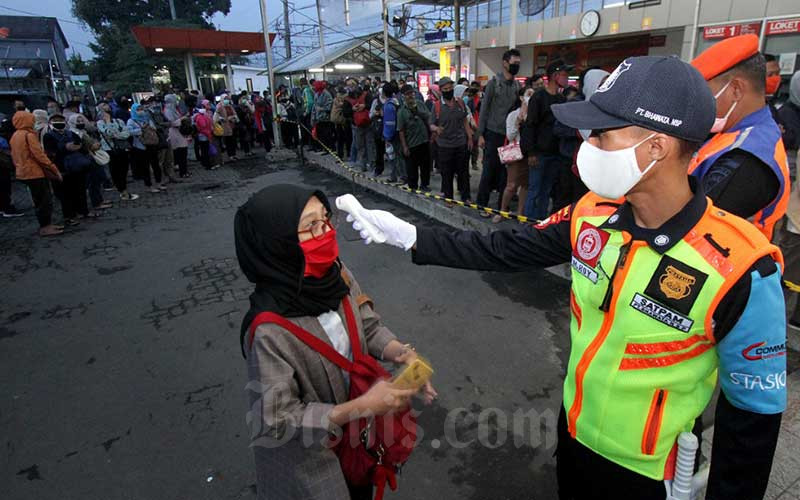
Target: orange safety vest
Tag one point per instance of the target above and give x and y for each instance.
(759, 135)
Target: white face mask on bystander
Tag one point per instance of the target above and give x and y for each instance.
(610, 174)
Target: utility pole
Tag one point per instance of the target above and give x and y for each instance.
(321, 38)
(385, 15)
(270, 75)
(288, 34)
(172, 9)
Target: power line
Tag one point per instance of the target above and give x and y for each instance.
(39, 15)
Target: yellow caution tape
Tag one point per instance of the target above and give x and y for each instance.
(792, 287)
(474, 206)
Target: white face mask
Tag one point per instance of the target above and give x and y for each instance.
(610, 174)
(719, 123)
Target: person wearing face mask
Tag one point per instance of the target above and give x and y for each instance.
(772, 84)
(60, 143)
(53, 107)
(453, 137)
(743, 165)
(115, 140)
(35, 170)
(539, 143)
(286, 246)
(667, 292)
(413, 120)
(498, 97)
(145, 148)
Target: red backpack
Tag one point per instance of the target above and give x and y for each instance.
(360, 118)
(372, 449)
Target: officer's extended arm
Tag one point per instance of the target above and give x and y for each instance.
(521, 249)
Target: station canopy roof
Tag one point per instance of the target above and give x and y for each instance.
(366, 50)
(176, 41)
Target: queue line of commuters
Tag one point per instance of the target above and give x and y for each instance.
(79, 153)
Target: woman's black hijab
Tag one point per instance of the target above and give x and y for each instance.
(269, 253)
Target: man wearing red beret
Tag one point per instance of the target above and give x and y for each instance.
(743, 166)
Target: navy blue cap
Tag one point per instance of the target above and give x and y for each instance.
(658, 93)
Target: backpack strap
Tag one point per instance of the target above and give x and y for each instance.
(308, 338)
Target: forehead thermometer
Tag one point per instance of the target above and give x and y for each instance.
(348, 203)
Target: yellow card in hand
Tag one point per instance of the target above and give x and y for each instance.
(414, 375)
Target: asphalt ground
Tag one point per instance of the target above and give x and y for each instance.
(123, 377)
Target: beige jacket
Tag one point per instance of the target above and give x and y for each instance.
(292, 390)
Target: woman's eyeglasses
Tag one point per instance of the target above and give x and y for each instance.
(318, 228)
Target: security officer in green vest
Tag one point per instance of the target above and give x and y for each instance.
(669, 295)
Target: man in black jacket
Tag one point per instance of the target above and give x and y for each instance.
(539, 143)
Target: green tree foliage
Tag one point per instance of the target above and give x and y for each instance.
(119, 60)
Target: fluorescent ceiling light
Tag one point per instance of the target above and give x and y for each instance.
(245, 51)
(349, 66)
(319, 70)
(613, 4)
(159, 49)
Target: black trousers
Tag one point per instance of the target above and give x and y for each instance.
(230, 145)
(584, 475)
(344, 140)
(119, 169)
(181, 156)
(42, 197)
(145, 160)
(289, 134)
(326, 134)
(244, 138)
(380, 151)
(5, 189)
(493, 176)
(202, 153)
(453, 163)
(418, 167)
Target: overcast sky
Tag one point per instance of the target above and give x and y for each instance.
(244, 16)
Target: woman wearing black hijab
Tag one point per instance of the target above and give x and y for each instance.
(287, 247)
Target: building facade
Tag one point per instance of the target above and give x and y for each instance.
(601, 33)
(33, 55)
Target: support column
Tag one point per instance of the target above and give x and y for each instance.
(387, 68)
(229, 73)
(457, 15)
(191, 78)
(270, 75)
(288, 34)
(512, 29)
(321, 39)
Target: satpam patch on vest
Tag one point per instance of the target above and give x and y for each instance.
(661, 314)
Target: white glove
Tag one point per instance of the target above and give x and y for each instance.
(398, 232)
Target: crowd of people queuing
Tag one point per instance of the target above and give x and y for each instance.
(503, 129)
(388, 128)
(77, 153)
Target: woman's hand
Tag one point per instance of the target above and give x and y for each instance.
(383, 398)
(428, 393)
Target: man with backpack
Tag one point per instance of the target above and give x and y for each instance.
(501, 93)
(390, 136)
(360, 101)
(340, 111)
(412, 124)
(453, 136)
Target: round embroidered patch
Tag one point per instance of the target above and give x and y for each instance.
(661, 240)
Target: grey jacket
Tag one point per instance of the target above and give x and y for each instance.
(292, 390)
(498, 97)
(322, 107)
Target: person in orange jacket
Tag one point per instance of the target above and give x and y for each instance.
(35, 169)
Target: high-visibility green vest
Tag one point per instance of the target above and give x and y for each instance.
(642, 365)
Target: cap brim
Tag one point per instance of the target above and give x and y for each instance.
(585, 115)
